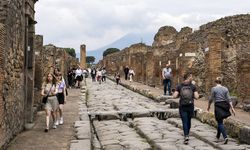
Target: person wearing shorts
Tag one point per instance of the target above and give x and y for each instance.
(61, 97)
(49, 88)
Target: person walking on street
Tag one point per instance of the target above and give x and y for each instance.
(222, 104)
(126, 70)
(99, 76)
(117, 77)
(70, 77)
(49, 90)
(93, 74)
(104, 74)
(78, 76)
(167, 75)
(61, 97)
(187, 93)
(131, 74)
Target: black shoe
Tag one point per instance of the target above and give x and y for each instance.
(218, 136)
(226, 141)
(46, 130)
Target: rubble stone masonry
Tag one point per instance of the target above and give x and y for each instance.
(17, 66)
(219, 48)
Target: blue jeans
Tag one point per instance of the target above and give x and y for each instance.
(221, 129)
(186, 116)
(167, 84)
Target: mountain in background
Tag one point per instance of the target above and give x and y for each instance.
(121, 43)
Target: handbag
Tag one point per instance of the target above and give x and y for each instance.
(45, 98)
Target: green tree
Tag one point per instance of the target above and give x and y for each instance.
(71, 51)
(90, 59)
(110, 51)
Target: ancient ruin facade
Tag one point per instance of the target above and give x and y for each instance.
(17, 66)
(219, 48)
(49, 57)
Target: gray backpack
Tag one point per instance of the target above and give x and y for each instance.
(186, 95)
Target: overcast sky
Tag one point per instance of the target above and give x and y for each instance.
(96, 23)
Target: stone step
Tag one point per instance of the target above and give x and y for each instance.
(124, 115)
(207, 134)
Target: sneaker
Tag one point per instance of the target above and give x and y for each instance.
(186, 139)
(57, 123)
(54, 126)
(61, 121)
(226, 141)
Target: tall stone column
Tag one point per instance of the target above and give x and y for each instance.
(83, 56)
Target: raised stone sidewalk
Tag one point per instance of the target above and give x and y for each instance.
(55, 139)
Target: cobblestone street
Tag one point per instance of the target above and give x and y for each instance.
(111, 117)
(141, 130)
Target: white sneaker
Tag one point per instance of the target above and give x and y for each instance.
(54, 126)
(57, 123)
(61, 121)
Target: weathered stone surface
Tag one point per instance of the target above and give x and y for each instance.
(80, 145)
(245, 134)
(217, 48)
(16, 106)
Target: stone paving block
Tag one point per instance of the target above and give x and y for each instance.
(113, 147)
(80, 145)
(162, 136)
(115, 132)
(81, 124)
(84, 116)
(163, 98)
(83, 132)
(207, 133)
(245, 134)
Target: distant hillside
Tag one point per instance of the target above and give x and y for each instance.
(121, 43)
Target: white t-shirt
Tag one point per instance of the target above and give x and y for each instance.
(78, 72)
(167, 73)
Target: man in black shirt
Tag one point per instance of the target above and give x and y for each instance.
(187, 92)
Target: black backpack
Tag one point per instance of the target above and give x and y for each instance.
(186, 95)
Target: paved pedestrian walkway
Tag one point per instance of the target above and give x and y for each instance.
(55, 139)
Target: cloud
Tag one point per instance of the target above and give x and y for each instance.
(70, 23)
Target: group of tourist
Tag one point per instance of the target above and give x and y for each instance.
(98, 74)
(54, 97)
(187, 93)
(75, 76)
(54, 88)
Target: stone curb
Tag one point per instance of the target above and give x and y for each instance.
(83, 132)
(234, 128)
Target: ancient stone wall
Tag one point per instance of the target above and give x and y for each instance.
(39, 69)
(57, 57)
(219, 48)
(12, 75)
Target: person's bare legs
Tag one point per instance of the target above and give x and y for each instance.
(61, 114)
(48, 113)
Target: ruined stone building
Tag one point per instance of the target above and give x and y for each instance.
(17, 66)
(218, 48)
(47, 58)
(23, 63)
